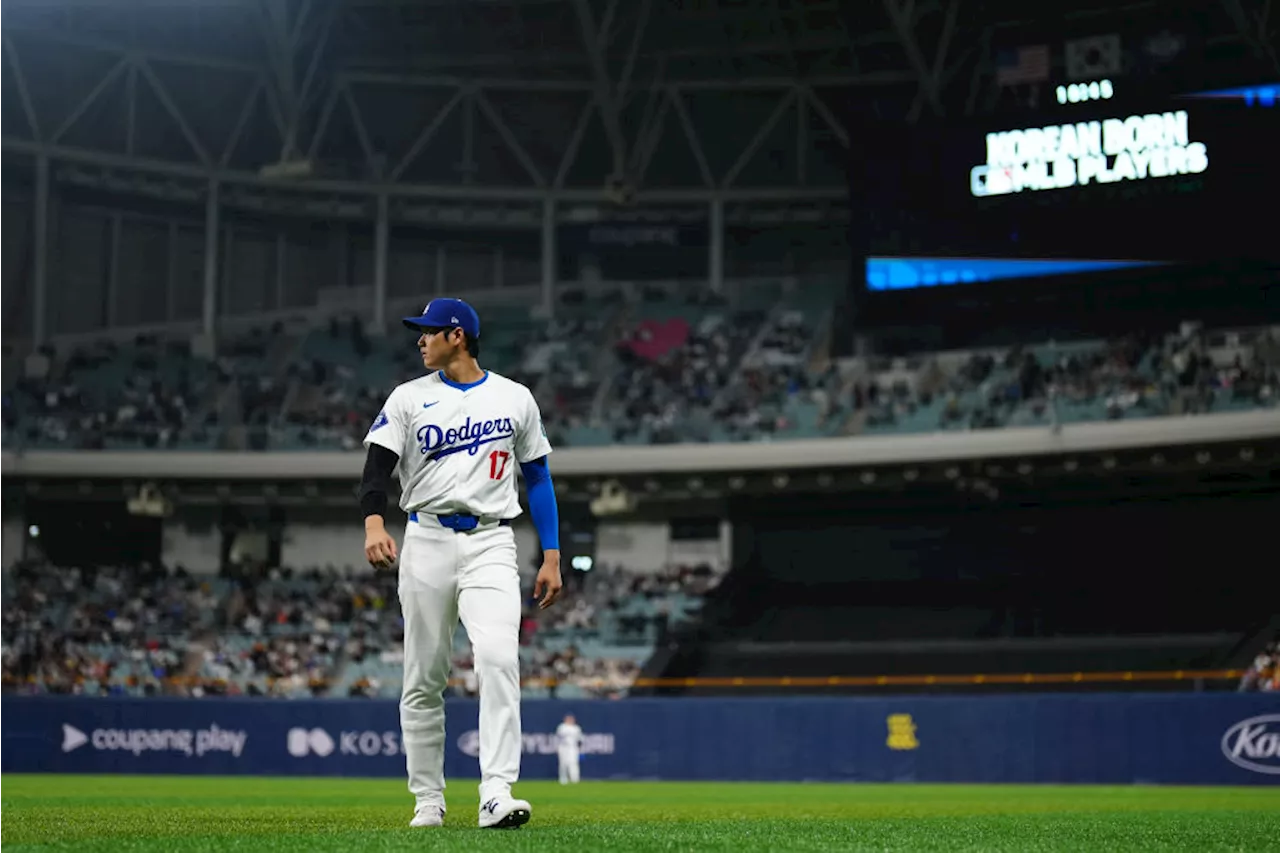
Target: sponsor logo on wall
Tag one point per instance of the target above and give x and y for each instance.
(72, 738)
(1254, 744)
(189, 742)
(304, 742)
(543, 744)
(902, 732)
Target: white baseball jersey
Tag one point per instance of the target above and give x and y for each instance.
(570, 738)
(459, 445)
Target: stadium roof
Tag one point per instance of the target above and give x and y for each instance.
(511, 100)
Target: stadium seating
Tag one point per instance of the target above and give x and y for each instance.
(1188, 372)
(293, 635)
(756, 371)
(658, 363)
(139, 395)
(1263, 673)
(102, 630)
(149, 393)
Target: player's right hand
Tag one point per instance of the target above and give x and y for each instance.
(379, 547)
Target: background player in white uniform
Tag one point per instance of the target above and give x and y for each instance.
(569, 736)
(456, 436)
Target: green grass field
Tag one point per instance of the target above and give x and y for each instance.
(154, 813)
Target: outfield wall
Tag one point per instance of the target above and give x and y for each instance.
(1209, 739)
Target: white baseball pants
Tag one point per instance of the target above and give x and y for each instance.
(568, 768)
(445, 575)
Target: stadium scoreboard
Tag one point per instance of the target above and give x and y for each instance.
(1075, 154)
(1099, 175)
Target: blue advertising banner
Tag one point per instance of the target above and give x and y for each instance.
(1201, 739)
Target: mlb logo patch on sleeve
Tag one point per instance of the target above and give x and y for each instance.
(380, 421)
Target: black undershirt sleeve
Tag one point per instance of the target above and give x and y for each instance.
(378, 465)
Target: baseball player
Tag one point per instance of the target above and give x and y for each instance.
(455, 437)
(569, 737)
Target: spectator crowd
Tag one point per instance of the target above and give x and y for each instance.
(1187, 372)
(609, 606)
(1263, 675)
(105, 629)
(150, 631)
(691, 368)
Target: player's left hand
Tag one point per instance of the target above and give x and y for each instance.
(547, 586)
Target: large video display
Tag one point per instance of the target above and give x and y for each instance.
(1175, 179)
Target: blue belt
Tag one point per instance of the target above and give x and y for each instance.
(460, 522)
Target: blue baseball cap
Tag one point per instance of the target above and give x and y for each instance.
(446, 313)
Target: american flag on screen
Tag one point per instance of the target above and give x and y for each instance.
(1028, 64)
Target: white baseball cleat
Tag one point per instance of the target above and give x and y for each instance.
(504, 812)
(428, 815)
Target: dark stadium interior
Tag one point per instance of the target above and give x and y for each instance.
(1025, 583)
(869, 380)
